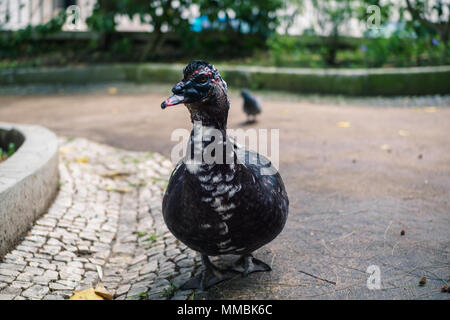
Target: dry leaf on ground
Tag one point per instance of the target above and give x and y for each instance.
(103, 292)
(88, 294)
(117, 189)
(343, 124)
(403, 133)
(66, 150)
(115, 174)
(386, 147)
(82, 159)
(430, 109)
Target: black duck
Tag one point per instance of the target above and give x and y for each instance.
(226, 206)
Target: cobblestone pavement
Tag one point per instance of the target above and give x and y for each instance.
(105, 221)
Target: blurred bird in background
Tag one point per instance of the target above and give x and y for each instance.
(251, 107)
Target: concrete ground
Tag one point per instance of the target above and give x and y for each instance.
(358, 173)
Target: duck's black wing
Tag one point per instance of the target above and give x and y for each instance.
(263, 206)
(172, 203)
(184, 213)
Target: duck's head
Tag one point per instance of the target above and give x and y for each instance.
(202, 90)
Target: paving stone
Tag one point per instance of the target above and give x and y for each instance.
(21, 284)
(27, 248)
(36, 292)
(53, 297)
(149, 267)
(16, 254)
(123, 289)
(26, 277)
(48, 276)
(136, 291)
(35, 271)
(11, 290)
(65, 294)
(11, 266)
(8, 272)
(6, 279)
(67, 275)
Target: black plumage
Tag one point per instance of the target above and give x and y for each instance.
(251, 105)
(228, 206)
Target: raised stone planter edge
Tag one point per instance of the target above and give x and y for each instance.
(28, 183)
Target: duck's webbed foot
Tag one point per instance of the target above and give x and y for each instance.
(247, 264)
(210, 276)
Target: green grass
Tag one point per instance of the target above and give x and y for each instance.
(152, 238)
(168, 293)
(5, 154)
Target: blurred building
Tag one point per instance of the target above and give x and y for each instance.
(17, 14)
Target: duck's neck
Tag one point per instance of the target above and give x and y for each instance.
(212, 113)
(209, 149)
(216, 121)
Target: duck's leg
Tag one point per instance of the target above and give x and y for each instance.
(247, 264)
(210, 276)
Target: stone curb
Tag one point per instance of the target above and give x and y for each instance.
(28, 183)
(355, 82)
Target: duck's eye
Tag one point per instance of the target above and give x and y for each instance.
(202, 79)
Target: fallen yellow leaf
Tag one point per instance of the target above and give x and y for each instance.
(343, 124)
(88, 294)
(66, 150)
(430, 109)
(114, 174)
(82, 159)
(386, 147)
(103, 292)
(112, 90)
(403, 133)
(118, 189)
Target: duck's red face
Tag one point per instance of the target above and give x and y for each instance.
(194, 87)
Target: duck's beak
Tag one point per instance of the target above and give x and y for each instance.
(173, 100)
(177, 97)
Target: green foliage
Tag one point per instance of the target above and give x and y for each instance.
(169, 292)
(5, 154)
(152, 238)
(163, 13)
(245, 32)
(254, 17)
(421, 39)
(386, 9)
(399, 50)
(330, 17)
(26, 41)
